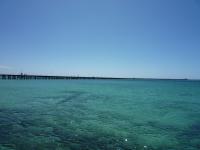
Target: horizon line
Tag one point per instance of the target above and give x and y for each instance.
(92, 77)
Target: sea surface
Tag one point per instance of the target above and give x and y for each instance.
(99, 115)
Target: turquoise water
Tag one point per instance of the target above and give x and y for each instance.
(99, 115)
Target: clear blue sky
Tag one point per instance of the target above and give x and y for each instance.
(120, 38)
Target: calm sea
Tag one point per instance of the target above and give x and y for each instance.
(99, 115)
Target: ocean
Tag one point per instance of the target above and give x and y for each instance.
(99, 115)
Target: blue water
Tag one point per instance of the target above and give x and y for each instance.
(99, 115)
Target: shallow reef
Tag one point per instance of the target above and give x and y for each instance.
(99, 115)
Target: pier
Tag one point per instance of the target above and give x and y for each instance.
(51, 77)
(45, 77)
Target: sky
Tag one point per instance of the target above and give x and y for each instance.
(112, 38)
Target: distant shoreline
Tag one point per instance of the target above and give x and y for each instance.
(51, 77)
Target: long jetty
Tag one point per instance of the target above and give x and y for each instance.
(50, 77)
(46, 77)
